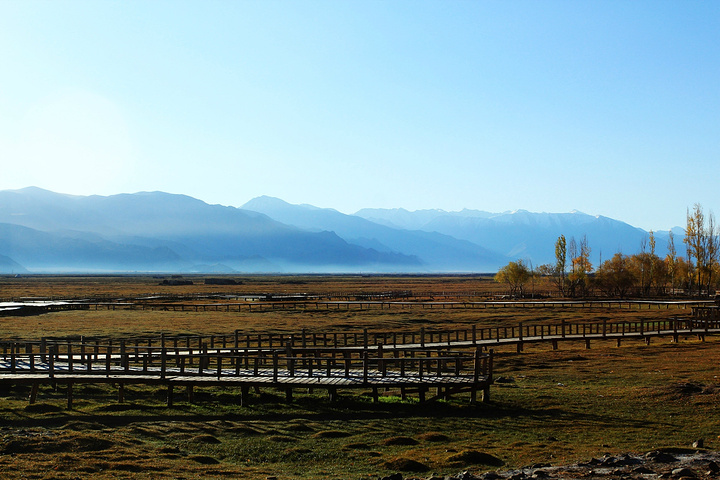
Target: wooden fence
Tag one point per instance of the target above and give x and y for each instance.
(410, 371)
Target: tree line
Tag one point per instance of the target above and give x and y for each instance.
(643, 274)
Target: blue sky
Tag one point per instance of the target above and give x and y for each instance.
(608, 107)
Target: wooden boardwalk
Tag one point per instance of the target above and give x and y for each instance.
(409, 371)
(450, 361)
(40, 307)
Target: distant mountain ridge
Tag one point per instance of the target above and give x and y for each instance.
(156, 231)
(43, 231)
(439, 252)
(527, 235)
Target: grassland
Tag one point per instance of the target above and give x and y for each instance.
(547, 406)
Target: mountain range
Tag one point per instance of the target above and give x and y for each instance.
(43, 231)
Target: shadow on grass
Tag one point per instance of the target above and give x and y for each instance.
(268, 406)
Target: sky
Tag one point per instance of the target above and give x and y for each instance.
(607, 107)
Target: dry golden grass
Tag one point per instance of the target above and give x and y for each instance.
(551, 406)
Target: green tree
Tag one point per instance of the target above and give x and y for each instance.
(560, 264)
(515, 274)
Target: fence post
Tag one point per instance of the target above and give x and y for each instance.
(108, 353)
(51, 361)
(365, 366)
(381, 363)
(163, 361)
(275, 367)
(124, 361)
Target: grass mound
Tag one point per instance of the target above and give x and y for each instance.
(473, 457)
(406, 465)
(208, 439)
(400, 441)
(203, 459)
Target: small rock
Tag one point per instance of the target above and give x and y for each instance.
(539, 474)
(713, 467)
(490, 476)
(700, 443)
(683, 473)
(660, 457)
(518, 476)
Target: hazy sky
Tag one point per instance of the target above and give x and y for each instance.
(608, 107)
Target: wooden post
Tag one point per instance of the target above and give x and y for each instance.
(381, 363)
(587, 344)
(170, 395)
(163, 362)
(365, 367)
(275, 367)
(51, 361)
(121, 392)
(33, 393)
(70, 396)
